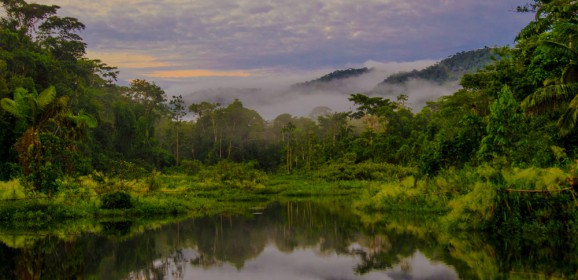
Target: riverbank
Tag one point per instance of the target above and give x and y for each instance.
(535, 201)
(530, 201)
(94, 197)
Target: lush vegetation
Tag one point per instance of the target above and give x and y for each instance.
(499, 154)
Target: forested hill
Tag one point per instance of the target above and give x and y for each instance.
(447, 70)
(333, 76)
(450, 69)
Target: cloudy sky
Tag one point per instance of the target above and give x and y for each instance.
(191, 45)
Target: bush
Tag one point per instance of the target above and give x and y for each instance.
(535, 178)
(474, 210)
(189, 167)
(116, 200)
(153, 181)
(345, 171)
(127, 170)
(231, 174)
(407, 194)
(12, 190)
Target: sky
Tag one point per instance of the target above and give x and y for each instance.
(198, 47)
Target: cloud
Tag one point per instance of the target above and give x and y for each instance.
(248, 34)
(193, 47)
(196, 73)
(269, 91)
(419, 91)
(128, 60)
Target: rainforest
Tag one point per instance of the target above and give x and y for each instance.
(88, 162)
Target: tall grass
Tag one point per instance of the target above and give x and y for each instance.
(485, 198)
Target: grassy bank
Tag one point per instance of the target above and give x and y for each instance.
(532, 201)
(99, 197)
(537, 201)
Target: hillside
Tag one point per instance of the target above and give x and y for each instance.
(331, 77)
(447, 70)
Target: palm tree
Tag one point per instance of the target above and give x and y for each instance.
(35, 113)
(559, 92)
(32, 112)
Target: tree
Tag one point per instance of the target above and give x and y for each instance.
(288, 137)
(39, 114)
(559, 91)
(503, 129)
(32, 112)
(150, 95)
(334, 130)
(150, 100)
(177, 109)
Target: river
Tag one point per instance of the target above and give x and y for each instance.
(290, 240)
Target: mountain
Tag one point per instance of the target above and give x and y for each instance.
(447, 70)
(421, 86)
(334, 76)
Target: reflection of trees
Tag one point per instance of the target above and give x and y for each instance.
(226, 239)
(401, 247)
(49, 258)
(556, 257)
(327, 228)
(305, 225)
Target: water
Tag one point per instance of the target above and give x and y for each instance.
(305, 240)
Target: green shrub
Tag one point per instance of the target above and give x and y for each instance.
(189, 167)
(127, 170)
(534, 178)
(474, 210)
(153, 181)
(116, 200)
(345, 171)
(237, 175)
(12, 190)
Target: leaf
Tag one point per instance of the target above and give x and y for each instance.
(10, 106)
(550, 97)
(87, 119)
(46, 97)
(567, 122)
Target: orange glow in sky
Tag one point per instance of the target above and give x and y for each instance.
(196, 73)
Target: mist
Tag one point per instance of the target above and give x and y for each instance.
(273, 92)
(419, 91)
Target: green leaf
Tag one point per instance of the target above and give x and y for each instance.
(10, 106)
(46, 97)
(87, 119)
(567, 122)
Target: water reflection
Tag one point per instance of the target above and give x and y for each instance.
(303, 240)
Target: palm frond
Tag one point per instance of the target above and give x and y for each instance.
(84, 118)
(19, 106)
(10, 106)
(565, 31)
(567, 121)
(46, 97)
(560, 49)
(550, 97)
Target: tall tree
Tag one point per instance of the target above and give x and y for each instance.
(177, 109)
(561, 90)
(504, 127)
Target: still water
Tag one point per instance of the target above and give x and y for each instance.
(305, 240)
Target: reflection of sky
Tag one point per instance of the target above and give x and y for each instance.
(308, 264)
